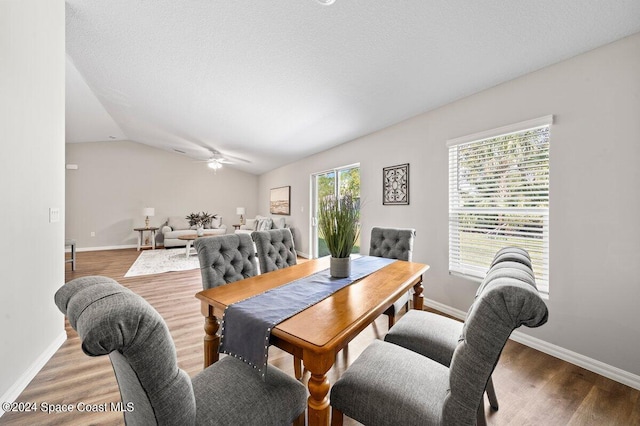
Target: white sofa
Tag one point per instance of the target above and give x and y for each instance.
(262, 223)
(176, 226)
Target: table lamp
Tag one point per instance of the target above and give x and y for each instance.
(240, 211)
(148, 211)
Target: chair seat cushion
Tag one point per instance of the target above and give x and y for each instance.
(229, 392)
(390, 385)
(428, 334)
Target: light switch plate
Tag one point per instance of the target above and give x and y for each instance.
(54, 215)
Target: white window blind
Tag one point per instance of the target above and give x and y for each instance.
(499, 196)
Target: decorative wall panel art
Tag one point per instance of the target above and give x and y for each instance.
(395, 185)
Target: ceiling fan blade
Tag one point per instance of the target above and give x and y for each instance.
(215, 155)
(237, 158)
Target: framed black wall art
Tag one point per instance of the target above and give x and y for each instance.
(395, 185)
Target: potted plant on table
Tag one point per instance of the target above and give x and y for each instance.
(199, 220)
(339, 226)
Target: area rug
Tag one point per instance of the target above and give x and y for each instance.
(159, 261)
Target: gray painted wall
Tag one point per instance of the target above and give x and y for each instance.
(32, 54)
(595, 203)
(116, 180)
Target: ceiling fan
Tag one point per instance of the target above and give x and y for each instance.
(216, 159)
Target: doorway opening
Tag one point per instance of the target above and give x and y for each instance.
(335, 182)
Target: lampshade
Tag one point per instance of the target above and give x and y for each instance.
(148, 211)
(239, 210)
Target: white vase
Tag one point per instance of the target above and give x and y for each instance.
(200, 231)
(340, 267)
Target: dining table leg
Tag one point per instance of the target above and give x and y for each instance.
(418, 297)
(211, 338)
(318, 409)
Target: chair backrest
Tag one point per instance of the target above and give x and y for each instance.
(514, 254)
(275, 249)
(503, 304)
(513, 262)
(392, 243)
(225, 259)
(111, 319)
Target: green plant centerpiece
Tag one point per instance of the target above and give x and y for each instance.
(339, 226)
(199, 220)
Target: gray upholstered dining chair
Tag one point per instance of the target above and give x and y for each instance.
(110, 319)
(389, 384)
(225, 259)
(436, 337)
(228, 258)
(393, 243)
(275, 249)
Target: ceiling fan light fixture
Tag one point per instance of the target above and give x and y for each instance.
(326, 2)
(214, 164)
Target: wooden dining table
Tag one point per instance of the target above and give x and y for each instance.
(319, 332)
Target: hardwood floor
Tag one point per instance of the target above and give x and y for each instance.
(533, 388)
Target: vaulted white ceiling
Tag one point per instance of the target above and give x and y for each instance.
(270, 82)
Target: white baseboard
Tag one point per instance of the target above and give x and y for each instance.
(445, 309)
(127, 246)
(305, 255)
(606, 370)
(16, 389)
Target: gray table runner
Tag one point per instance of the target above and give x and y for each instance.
(246, 325)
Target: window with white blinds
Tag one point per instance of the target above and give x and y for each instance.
(499, 196)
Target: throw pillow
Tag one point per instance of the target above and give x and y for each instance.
(249, 224)
(263, 224)
(279, 223)
(216, 222)
(177, 222)
(257, 220)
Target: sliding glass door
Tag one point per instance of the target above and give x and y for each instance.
(334, 182)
